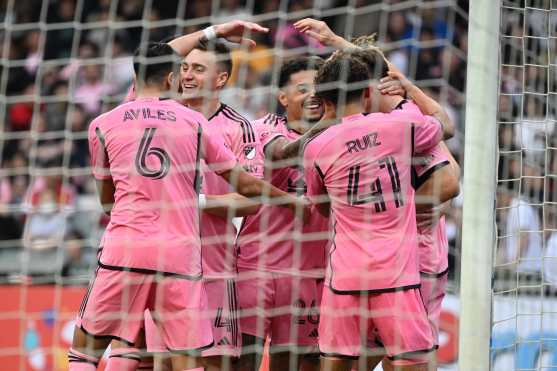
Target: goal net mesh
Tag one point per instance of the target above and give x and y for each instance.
(525, 265)
(64, 62)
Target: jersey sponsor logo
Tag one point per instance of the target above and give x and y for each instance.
(361, 144)
(224, 341)
(249, 152)
(314, 333)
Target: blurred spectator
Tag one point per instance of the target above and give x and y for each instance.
(46, 225)
(91, 90)
(34, 57)
(75, 259)
(521, 239)
(59, 41)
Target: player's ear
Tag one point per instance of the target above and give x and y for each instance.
(283, 99)
(222, 79)
(170, 81)
(366, 96)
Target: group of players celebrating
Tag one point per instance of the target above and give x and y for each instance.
(334, 265)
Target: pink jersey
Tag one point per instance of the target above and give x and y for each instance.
(218, 234)
(364, 166)
(433, 243)
(267, 240)
(151, 149)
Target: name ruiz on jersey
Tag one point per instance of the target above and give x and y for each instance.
(361, 144)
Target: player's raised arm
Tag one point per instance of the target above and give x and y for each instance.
(396, 80)
(321, 32)
(235, 31)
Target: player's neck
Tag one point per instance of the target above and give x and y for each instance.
(351, 109)
(389, 102)
(207, 107)
(148, 91)
(299, 126)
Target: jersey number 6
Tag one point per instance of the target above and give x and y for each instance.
(144, 151)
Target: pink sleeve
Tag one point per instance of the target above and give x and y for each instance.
(266, 134)
(216, 154)
(427, 134)
(97, 150)
(313, 174)
(426, 163)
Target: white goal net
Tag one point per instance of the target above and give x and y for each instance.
(64, 62)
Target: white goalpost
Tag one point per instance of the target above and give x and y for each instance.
(478, 230)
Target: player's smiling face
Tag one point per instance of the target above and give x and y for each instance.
(298, 97)
(199, 75)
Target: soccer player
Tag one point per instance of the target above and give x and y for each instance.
(436, 173)
(279, 271)
(204, 72)
(360, 171)
(145, 156)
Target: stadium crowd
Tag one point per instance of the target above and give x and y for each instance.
(64, 66)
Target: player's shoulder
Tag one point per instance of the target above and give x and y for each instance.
(230, 114)
(318, 143)
(271, 120)
(407, 109)
(106, 118)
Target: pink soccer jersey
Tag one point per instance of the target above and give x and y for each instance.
(218, 235)
(151, 149)
(266, 241)
(364, 166)
(433, 244)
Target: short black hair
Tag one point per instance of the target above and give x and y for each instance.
(296, 65)
(153, 62)
(221, 50)
(342, 76)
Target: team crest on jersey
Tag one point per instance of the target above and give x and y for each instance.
(249, 152)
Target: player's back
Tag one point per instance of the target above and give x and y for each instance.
(152, 154)
(365, 167)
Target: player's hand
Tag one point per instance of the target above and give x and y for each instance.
(395, 83)
(237, 31)
(319, 31)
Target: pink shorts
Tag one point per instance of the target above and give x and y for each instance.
(282, 307)
(115, 305)
(221, 312)
(433, 291)
(393, 322)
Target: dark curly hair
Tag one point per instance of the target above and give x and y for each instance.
(296, 65)
(342, 78)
